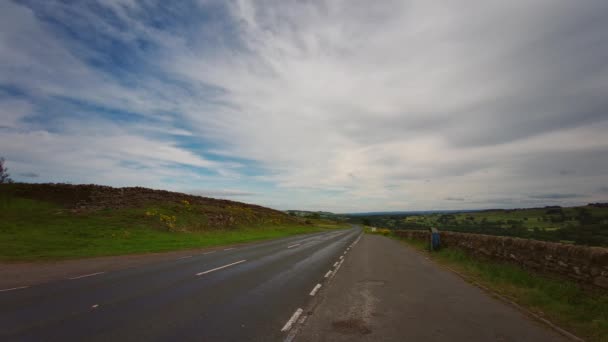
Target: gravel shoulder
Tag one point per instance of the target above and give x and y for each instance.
(386, 291)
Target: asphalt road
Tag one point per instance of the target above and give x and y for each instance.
(248, 293)
(385, 291)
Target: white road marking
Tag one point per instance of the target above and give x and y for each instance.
(209, 252)
(185, 257)
(14, 288)
(86, 275)
(328, 274)
(95, 306)
(296, 245)
(315, 289)
(336, 263)
(229, 249)
(341, 257)
(219, 268)
(293, 318)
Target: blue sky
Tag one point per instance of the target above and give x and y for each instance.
(339, 105)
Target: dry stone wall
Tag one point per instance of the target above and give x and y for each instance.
(587, 265)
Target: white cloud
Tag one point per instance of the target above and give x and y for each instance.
(385, 105)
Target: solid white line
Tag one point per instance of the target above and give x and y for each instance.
(219, 268)
(86, 275)
(185, 257)
(327, 274)
(293, 318)
(229, 249)
(296, 245)
(209, 252)
(315, 289)
(14, 288)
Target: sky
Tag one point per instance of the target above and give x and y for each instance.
(342, 106)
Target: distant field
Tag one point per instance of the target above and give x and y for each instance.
(32, 229)
(587, 225)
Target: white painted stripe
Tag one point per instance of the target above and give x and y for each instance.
(185, 257)
(293, 318)
(328, 274)
(209, 252)
(229, 249)
(315, 289)
(296, 245)
(336, 263)
(86, 275)
(14, 288)
(219, 268)
(341, 257)
(95, 306)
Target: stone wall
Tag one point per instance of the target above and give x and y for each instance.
(588, 265)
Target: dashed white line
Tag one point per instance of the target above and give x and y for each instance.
(229, 249)
(219, 268)
(185, 257)
(293, 318)
(336, 263)
(327, 274)
(315, 289)
(14, 288)
(209, 252)
(292, 246)
(95, 306)
(341, 257)
(86, 275)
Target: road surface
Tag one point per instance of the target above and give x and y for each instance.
(386, 291)
(248, 293)
(331, 286)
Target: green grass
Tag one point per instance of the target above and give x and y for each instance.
(33, 230)
(565, 303)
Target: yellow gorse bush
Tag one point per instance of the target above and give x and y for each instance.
(167, 220)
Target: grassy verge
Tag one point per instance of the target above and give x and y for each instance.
(565, 303)
(35, 230)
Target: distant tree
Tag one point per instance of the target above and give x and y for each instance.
(366, 222)
(4, 175)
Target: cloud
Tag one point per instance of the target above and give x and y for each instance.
(29, 175)
(555, 196)
(222, 193)
(349, 106)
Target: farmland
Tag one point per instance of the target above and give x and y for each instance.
(585, 225)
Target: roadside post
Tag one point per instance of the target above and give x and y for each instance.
(435, 241)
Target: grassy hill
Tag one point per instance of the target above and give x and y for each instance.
(58, 221)
(586, 225)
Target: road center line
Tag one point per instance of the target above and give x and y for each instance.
(315, 289)
(293, 318)
(219, 268)
(229, 249)
(86, 275)
(14, 288)
(295, 245)
(185, 257)
(327, 274)
(336, 264)
(209, 252)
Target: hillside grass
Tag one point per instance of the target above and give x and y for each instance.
(581, 311)
(32, 230)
